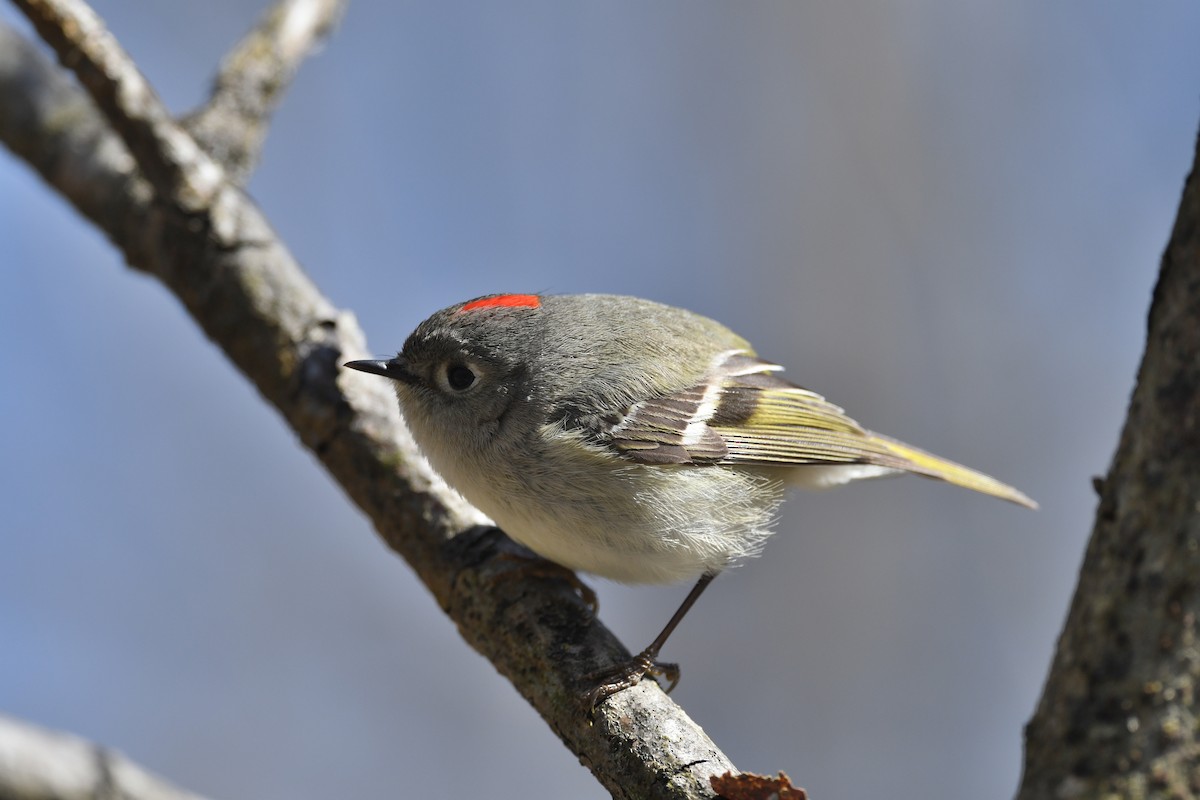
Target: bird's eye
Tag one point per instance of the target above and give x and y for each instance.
(459, 377)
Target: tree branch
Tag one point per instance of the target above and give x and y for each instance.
(169, 158)
(37, 764)
(232, 126)
(174, 214)
(1118, 717)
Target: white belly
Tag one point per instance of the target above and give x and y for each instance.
(633, 523)
(643, 524)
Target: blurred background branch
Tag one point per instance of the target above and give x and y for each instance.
(232, 125)
(37, 764)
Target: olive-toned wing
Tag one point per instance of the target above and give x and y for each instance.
(745, 413)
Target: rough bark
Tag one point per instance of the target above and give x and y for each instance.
(1118, 716)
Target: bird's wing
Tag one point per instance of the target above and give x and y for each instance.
(745, 413)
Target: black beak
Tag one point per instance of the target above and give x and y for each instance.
(393, 369)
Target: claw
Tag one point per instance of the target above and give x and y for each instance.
(646, 662)
(628, 675)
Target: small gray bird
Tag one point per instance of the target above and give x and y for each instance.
(627, 438)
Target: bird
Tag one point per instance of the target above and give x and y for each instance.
(629, 439)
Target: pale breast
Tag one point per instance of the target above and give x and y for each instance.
(629, 522)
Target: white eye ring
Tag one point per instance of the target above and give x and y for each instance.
(456, 377)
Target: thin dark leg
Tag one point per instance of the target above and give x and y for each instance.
(632, 672)
(675, 619)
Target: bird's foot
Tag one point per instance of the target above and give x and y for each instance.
(629, 674)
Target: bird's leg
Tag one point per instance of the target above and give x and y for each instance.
(646, 662)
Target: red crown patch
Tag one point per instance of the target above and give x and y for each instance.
(504, 301)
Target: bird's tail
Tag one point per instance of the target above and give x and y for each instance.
(918, 462)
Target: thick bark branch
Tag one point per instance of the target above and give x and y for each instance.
(1118, 717)
(37, 764)
(212, 247)
(165, 153)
